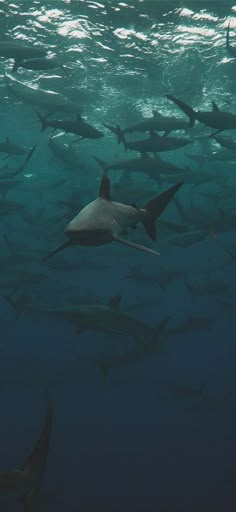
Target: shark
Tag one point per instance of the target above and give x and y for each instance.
(226, 142)
(39, 63)
(103, 221)
(19, 51)
(230, 49)
(154, 144)
(143, 350)
(156, 123)
(10, 148)
(215, 118)
(25, 482)
(107, 318)
(152, 167)
(50, 100)
(65, 152)
(11, 173)
(77, 126)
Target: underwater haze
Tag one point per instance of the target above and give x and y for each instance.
(118, 253)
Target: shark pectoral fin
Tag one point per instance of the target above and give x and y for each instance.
(135, 246)
(59, 249)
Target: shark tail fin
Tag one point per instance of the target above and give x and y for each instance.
(59, 249)
(155, 207)
(42, 119)
(102, 163)
(186, 109)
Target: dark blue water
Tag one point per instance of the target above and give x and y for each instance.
(159, 433)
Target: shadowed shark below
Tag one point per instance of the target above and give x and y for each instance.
(25, 482)
(103, 220)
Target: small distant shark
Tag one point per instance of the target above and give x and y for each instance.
(107, 318)
(77, 126)
(19, 51)
(11, 173)
(231, 49)
(215, 118)
(103, 221)
(156, 123)
(25, 482)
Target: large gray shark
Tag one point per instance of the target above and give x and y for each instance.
(214, 118)
(156, 123)
(153, 167)
(50, 100)
(103, 221)
(154, 144)
(19, 51)
(77, 126)
(25, 482)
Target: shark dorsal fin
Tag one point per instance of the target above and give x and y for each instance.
(133, 205)
(215, 107)
(115, 301)
(104, 191)
(78, 117)
(7, 140)
(156, 114)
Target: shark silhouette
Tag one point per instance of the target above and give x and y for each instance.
(25, 482)
(103, 220)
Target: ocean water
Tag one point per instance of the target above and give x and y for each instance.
(155, 431)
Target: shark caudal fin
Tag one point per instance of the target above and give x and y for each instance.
(155, 207)
(186, 109)
(35, 463)
(59, 249)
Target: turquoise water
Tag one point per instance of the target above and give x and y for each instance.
(134, 428)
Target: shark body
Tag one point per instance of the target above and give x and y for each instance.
(103, 221)
(214, 118)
